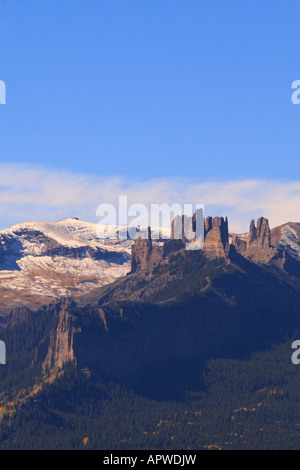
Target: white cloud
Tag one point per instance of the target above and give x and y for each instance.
(36, 193)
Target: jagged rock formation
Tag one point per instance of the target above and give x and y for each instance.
(141, 252)
(216, 243)
(259, 237)
(145, 255)
(252, 237)
(279, 247)
(257, 246)
(263, 233)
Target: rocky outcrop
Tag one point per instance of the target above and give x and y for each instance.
(279, 247)
(216, 243)
(252, 237)
(183, 229)
(59, 344)
(141, 252)
(263, 233)
(259, 237)
(208, 225)
(257, 246)
(145, 254)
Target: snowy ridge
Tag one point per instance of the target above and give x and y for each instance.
(290, 239)
(41, 261)
(75, 233)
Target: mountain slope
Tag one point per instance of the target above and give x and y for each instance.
(190, 323)
(137, 329)
(249, 404)
(287, 237)
(40, 262)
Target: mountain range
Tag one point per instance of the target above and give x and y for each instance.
(148, 316)
(41, 262)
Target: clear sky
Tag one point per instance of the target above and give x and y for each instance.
(146, 89)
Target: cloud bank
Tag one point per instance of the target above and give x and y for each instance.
(30, 193)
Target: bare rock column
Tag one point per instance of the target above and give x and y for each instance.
(216, 241)
(259, 237)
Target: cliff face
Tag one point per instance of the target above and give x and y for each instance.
(216, 243)
(123, 343)
(60, 342)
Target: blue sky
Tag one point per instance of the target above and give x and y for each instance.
(151, 89)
